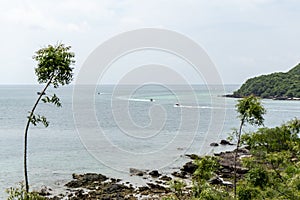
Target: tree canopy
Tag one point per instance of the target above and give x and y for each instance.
(276, 85)
(54, 63)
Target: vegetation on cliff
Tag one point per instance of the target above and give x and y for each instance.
(276, 85)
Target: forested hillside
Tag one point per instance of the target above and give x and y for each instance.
(277, 85)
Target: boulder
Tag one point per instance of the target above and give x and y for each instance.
(215, 180)
(189, 167)
(86, 180)
(214, 144)
(181, 174)
(154, 174)
(225, 142)
(165, 178)
(192, 156)
(136, 172)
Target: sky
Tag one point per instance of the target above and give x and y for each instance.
(244, 38)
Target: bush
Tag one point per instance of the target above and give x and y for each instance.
(19, 193)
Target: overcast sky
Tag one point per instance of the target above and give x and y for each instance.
(244, 38)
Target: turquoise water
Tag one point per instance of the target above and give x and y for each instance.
(141, 142)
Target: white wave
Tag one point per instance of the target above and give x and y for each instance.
(125, 98)
(197, 107)
(143, 100)
(104, 93)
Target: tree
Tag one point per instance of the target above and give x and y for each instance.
(54, 68)
(251, 111)
(274, 163)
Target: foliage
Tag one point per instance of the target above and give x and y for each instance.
(206, 167)
(20, 193)
(274, 166)
(202, 189)
(178, 187)
(275, 139)
(250, 111)
(54, 69)
(272, 85)
(54, 64)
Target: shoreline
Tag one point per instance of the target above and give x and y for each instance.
(157, 183)
(270, 97)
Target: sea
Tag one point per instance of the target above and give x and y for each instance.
(110, 129)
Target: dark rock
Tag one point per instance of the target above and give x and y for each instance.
(114, 188)
(225, 142)
(244, 151)
(154, 174)
(156, 188)
(215, 180)
(226, 170)
(80, 194)
(165, 178)
(55, 198)
(45, 191)
(143, 188)
(136, 172)
(181, 174)
(94, 177)
(86, 180)
(230, 95)
(113, 180)
(192, 156)
(189, 167)
(214, 144)
(241, 170)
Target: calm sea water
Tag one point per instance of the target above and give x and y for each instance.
(135, 131)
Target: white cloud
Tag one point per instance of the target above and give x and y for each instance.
(255, 32)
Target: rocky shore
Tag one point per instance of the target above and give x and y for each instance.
(267, 97)
(97, 186)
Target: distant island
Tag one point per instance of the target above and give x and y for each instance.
(278, 86)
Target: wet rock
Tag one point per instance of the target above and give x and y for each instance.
(156, 188)
(86, 180)
(215, 180)
(189, 167)
(226, 170)
(143, 188)
(45, 191)
(214, 144)
(244, 151)
(219, 181)
(225, 142)
(154, 174)
(192, 156)
(165, 178)
(136, 172)
(217, 154)
(241, 170)
(180, 174)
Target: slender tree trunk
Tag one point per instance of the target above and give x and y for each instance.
(236, 155)
(26, 133)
